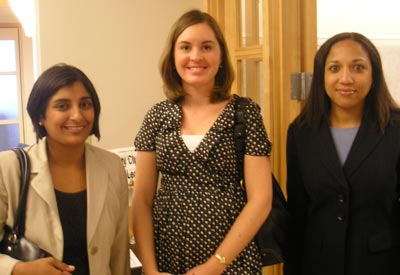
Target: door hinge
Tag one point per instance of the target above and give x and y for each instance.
(300, 84)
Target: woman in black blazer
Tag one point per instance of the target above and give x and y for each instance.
(343, 165)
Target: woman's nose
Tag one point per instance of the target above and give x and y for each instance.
(76, 113)
(346, 76)
(196, 54)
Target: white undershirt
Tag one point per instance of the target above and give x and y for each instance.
(192, 141)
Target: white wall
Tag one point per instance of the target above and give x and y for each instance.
(117, 43)
(378, 20)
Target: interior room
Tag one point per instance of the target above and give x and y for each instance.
(119, 44)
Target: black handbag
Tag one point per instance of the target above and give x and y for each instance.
(14, 244)
(272, 238)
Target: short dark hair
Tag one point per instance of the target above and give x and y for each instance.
(48, 83)
(378, 103)
(172, 81)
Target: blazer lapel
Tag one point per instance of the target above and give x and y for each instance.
(42, 184)
(325, 149)
(96, 181)
(41, 180)
(365, 141)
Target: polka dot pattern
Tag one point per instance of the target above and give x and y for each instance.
(200, 196)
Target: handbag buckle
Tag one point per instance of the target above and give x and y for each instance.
(12, 238)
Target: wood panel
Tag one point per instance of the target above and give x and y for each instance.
(299, 44)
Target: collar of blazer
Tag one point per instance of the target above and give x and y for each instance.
(365, 141)
(97, 178)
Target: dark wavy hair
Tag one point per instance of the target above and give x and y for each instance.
(378, 103)
(172, 81)
(48, 84)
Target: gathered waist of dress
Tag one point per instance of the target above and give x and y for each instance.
(186, 184)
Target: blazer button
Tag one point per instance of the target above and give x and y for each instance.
(340, 218)
(341, 198)
(94, 250)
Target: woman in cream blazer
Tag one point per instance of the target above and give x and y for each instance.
(62, 130)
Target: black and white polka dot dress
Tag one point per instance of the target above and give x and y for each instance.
(199, 197)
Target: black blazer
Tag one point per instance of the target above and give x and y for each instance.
(346, 219)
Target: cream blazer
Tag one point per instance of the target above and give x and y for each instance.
(107, 208)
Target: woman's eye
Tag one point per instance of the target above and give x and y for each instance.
(62, 106)
(333, 69)
(207, 47)
(185, 48)
(358, 67)
(86, 105)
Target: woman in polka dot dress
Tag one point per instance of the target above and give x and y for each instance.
(199, 222)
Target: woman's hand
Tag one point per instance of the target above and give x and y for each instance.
(45, 266)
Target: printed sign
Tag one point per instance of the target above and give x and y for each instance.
(128, 158)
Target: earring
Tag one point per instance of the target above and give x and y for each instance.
(40, 123)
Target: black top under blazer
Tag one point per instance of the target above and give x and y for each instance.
(346, 219)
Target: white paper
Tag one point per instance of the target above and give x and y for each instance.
(134, 260)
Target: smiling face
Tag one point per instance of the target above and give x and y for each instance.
(69, 116)
(348, 76)
(197, 56)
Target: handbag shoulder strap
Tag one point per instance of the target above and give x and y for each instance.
(239, 133)
(25, 168)
(240, 137)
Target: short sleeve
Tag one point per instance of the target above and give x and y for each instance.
(146, 137)
(257, 142)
